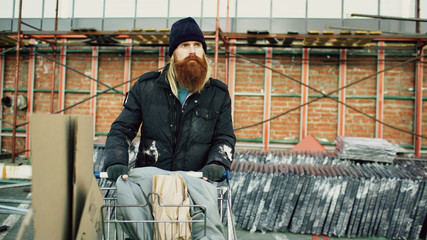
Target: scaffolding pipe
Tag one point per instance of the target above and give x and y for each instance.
(366, 29)
(419, 91)
(52, 92)
(418, 24)
(52, 82)
(227, 27)
(15, 185)
(13, 210)
(6, 200)
(389, 17)
(418, 103)
(227, 56)
(216, 41)
(15, 94)
(31, 26)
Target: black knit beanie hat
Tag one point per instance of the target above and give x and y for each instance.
(184, 30)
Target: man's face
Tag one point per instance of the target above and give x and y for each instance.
(185, 49)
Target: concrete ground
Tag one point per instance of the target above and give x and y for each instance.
(246, 235)
(22, 193)
(13, 221)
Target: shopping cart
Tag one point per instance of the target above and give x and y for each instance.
(114, 226)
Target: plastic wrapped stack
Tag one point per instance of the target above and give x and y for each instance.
(367, 149)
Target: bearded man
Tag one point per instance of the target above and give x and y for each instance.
(184, 115)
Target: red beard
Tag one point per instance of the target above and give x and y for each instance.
(191, 73)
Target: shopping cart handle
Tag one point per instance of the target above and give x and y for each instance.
(200, 175)
(226, 175)
(99, 174)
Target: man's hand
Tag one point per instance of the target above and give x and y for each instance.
(213, 172)
(115, 171)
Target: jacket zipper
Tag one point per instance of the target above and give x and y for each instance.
(178, 128)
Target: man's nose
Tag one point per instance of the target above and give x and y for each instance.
(192, 49)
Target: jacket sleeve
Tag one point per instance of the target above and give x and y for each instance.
(124, 129)
(224, 140)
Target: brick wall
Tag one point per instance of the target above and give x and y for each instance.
(7, 113)
(286, 127)
(248, 107)
(358, 96)
(322, 120)
(323, 114)
(400, 113)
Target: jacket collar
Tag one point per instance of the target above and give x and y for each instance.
(162, 81)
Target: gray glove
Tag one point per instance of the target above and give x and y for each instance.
(213, 172)
(115, 171)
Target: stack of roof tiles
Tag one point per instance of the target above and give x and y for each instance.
(319, 194)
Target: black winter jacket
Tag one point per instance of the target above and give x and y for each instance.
(173, 136)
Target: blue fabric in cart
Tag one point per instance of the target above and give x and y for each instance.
(135, 191)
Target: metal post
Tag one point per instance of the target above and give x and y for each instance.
(419, 102)
(52, 83)
(15, 94)
(94, 84)
(232, 76)
(227, 27)
(342, 95)
(162, 55)
(103, 15)
(135, 14)
(30, 96)
(216, 41)
(380, 92)
(62, 75)
(127, 65)
(267, 97)
(304, 93)
(227, 56)
(389, 17)
(2, 74)
(418, 24)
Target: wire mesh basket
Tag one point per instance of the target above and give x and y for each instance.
(115, 227)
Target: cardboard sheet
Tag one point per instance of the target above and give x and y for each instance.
(90, 226)
(83, 164)
(62, 163)
(51, 158)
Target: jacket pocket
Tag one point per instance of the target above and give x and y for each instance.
(205, 114)
(203, 125)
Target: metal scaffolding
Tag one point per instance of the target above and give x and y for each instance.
(223, 42)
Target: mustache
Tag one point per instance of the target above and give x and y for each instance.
(199, 62)
(193, 57)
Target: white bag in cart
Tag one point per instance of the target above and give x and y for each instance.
(136, 191)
